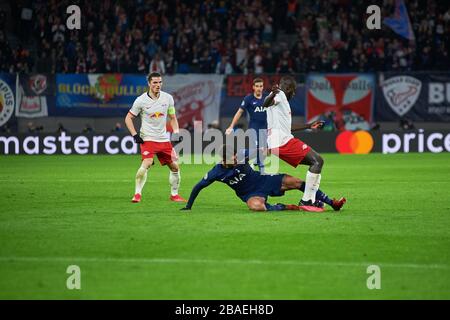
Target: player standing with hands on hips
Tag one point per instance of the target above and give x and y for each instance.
(282, 143)
(153, 107)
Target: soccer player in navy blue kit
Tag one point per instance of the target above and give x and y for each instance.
(252, 104)
(251, 186)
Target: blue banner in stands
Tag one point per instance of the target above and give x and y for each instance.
(97, 94)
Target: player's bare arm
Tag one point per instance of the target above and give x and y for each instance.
(270, 98)
(314, 125)
(174, 123)
(202, 184)
(130, 126)
(236, 118)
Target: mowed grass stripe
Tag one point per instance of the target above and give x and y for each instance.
(225, 261)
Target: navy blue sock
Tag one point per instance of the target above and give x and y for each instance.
(261, 168)
(319, 195)
(251, 154)
(276, 207)
(323, 197)
(260, 160)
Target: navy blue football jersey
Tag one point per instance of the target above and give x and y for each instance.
(242, 178)
(254, 109)
(245, 182)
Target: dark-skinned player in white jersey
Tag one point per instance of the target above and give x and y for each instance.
(293, 151)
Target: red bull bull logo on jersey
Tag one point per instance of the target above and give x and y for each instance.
(157, 115)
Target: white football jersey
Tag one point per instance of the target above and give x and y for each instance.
(279, 121)
(153, 115)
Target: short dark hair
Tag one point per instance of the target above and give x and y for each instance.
(227, 152)
(153, 75)
(288, 81)
(257, 80)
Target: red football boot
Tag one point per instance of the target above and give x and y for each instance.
(177, 198)
(137, 198)
(338, 204)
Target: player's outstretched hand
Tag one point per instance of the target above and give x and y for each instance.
(317, 124)
(185, 208)
(228, 131)
(137, 138)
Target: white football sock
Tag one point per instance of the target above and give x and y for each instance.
(141, 177)
(174, 181)
(311, 186)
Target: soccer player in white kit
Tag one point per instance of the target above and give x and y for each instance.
(282, 143)
(153, 107)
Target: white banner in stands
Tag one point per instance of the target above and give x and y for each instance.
(197, 97)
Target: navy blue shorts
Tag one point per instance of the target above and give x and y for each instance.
(258, 137)
(270, 187)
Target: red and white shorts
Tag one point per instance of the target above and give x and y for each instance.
(163, 150)
(293, 152)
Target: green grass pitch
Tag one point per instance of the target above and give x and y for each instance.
(58, 211)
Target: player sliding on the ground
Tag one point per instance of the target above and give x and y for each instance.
(254, 188)
(154, 106)
(282, 143)
(252, 104)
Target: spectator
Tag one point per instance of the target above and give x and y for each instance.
(241, 51)
(57, 31)
(267, 35)
(118, 127)
(258, 62)
(406, 124)
(323, 35)
(223, 66)
(205, 62)
(170, 62)
(141, 65)
(291, 16)
(157, 65)
(88, 129)
(285, 65)
(61, 128)
(30, 127)
(81, 65)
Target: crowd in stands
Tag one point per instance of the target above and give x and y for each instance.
(225, 36)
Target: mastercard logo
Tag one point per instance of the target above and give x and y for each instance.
(359, 142)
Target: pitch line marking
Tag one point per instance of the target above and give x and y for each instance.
(225, 261)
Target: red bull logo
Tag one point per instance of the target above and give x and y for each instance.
(157, 115)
